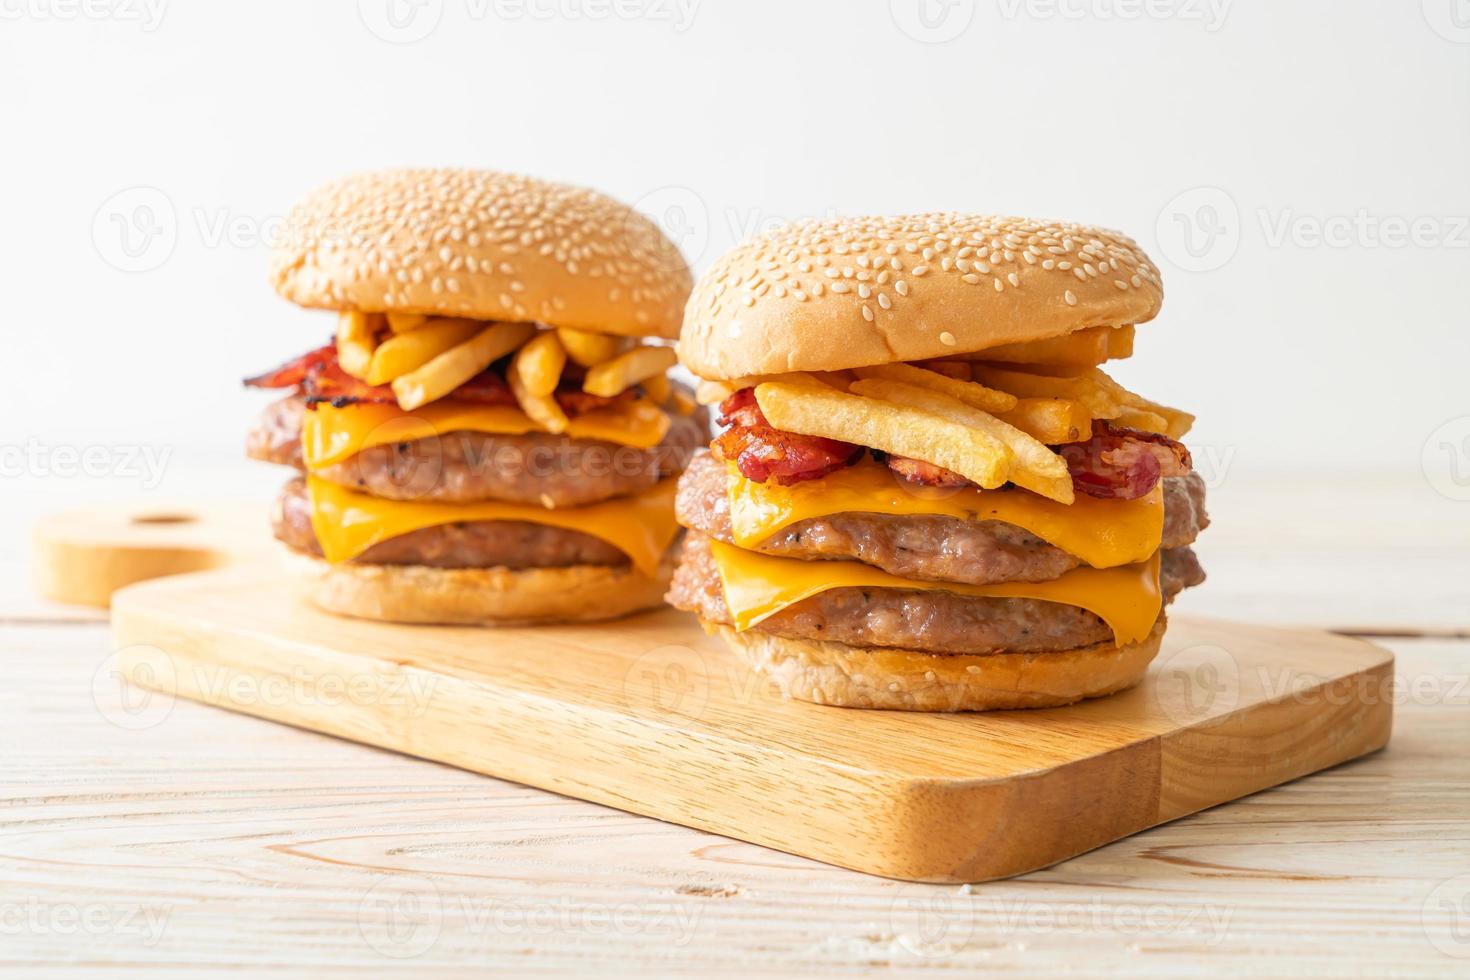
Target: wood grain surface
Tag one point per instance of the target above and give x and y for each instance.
(83, 556)
(196, 838)
(651, 715)
(143, 837)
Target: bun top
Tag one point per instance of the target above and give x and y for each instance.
(824, 295)
(481, 244)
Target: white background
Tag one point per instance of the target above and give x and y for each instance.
(1229, 138)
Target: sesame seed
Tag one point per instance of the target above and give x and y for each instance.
(862, 255)
(947, 339)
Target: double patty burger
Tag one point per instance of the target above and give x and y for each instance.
(928, 494)
(487, 439)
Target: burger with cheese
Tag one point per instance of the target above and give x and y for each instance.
(490, 437)
(929, 494)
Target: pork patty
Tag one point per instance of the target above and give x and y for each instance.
(463, 467)
(923, 546)
(469, 544)
(932, 621)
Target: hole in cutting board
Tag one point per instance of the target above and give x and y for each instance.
(164, 519)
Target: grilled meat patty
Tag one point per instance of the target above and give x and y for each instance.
(463, 467)
(932, 621)
(923, 546)
(469, 544)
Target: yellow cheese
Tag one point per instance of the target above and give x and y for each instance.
(1103, 533)
(1127, 598)
(347, 523)
(329, 435)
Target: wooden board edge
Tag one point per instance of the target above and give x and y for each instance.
(88, 574)
(153, 653)
(911, 821)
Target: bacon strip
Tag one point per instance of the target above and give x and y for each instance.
(293, 373)
(1122, 464)
(762, 452)
(320, 378)
(926, 474)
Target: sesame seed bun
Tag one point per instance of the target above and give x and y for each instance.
(823, 295)
(907, 680)
(481, 244)
(478, 596)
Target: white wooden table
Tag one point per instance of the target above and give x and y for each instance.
(161, 838)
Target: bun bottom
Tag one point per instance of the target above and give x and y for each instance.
(907, 680)
(497, 596)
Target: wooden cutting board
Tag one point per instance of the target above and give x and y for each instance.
(84, 556)
(650, 715)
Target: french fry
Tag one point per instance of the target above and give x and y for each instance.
(1177, 422)
(543, 409)
(714, 392)
(1099, 402)
(832, 414)
(1050, 420)
(404, 322)
(1103, 397)
(658, 388)
(1120, 343)
(587, 348)
(974, 395)
(1137, 418)
(626, 370)
(355, 339)
(403, 352)
(459, 364)
(539, 363)
(683, 404)
(1033, 465)
(958, 370)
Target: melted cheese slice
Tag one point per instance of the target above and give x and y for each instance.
(1103, 533)
(1128, 598)
(347, 523)
(329, 435)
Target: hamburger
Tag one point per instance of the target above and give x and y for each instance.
(490, 435)
(928, 493)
